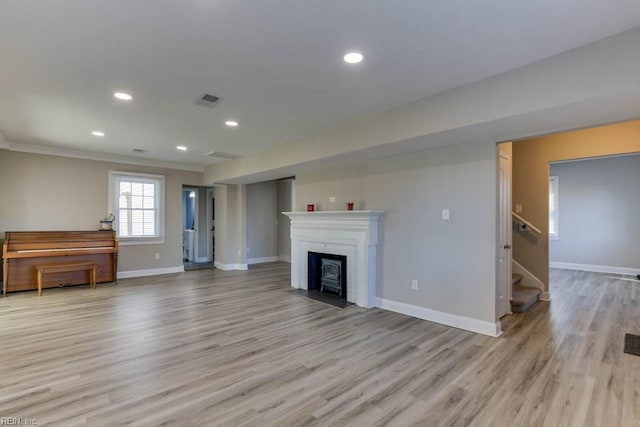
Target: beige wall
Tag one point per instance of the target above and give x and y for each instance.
(40, 192)
(531, 159)
(453, 261)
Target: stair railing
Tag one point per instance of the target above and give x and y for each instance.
(527, 223)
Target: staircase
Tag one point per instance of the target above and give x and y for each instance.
(522, 297)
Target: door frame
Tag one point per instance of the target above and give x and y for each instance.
(195, 221)
(210, 222)
(504, 280)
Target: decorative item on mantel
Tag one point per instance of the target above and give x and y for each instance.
(106, 223)
(349, 206)
(311, 207)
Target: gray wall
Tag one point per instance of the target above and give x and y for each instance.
(41, 192)
(346, 183)
(203, 231)
(453, 261)
(285, 204)
(221, 232)
(262, 217)
(599, 203)
(230, 224)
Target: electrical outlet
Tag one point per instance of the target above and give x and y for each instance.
(157, 255)
(414, 284)
(518, 208)
(445, 214)
(332, 199)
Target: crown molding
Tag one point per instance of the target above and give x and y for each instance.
(87, 155)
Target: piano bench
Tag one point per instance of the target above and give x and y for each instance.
(67, 268)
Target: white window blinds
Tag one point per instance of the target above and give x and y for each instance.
(553, 208)
(137, 201)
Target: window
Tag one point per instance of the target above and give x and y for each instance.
(553, 208)
(137, 201)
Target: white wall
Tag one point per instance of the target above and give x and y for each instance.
(262, 218)
(599, 203)
(453, 261)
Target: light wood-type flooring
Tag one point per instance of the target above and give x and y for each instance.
(218, 348)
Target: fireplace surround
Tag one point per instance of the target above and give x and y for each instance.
(352, 234)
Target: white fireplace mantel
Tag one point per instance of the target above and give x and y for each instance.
(353, 234)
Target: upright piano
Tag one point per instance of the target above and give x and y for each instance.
(22, 251)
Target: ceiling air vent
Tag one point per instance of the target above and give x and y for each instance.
(138, 151)
(221, 155)
(208, 100)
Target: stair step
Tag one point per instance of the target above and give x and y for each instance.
(516, 279)
(523, 297)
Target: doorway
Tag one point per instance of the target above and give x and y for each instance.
(197, 244)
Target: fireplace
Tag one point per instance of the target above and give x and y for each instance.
(350, 234)
(327, 273)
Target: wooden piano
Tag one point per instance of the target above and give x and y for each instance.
(23, 251)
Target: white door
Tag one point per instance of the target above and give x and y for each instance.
(504, 237)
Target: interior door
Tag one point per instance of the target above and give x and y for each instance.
(504, 237)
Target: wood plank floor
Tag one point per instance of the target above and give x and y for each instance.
(218, 348)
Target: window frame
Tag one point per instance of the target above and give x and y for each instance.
(555, 215)
(115, 177)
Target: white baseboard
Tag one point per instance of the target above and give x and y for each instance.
(460, 322)
(236, 266)
(285, 258)
(595, 268)
(150, 272)
(263, 260)
(203, 259)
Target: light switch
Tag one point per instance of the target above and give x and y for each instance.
(445, 214)
(332, 199)
(518, 208)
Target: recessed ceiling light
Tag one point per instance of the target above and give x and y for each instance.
(181, 148)
(123, 96)
(353, 57)
(97, 133)
(231, 123)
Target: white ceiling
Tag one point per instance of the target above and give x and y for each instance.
(277, 64)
